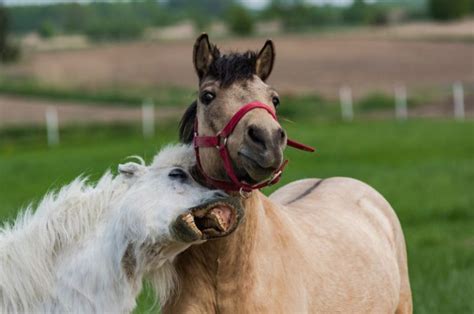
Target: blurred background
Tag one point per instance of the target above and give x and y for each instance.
(383, 89)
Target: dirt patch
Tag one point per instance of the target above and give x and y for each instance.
(458, 30)
(14, 110)
(304, 63)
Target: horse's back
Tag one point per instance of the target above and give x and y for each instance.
(294, 190)
(341, 196)
(348, 215)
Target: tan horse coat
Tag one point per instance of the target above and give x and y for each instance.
(313, 246)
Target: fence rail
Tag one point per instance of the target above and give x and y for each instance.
(400, 103)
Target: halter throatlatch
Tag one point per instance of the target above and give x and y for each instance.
(219, 141)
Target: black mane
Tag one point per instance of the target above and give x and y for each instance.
(186, 125)
(227, 69)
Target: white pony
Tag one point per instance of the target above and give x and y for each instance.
(87, 248)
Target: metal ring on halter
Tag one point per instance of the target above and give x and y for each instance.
(222, 143)
(244, 194)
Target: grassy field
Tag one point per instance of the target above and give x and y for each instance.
(424, 168)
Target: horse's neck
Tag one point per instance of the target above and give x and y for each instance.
(92, 278)
(219, 273)
(30, 248)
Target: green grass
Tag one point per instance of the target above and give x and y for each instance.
(424, 168)
(375, 101)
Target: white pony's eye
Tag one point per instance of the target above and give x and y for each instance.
(178, 174)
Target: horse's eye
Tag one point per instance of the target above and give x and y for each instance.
(207, 97)
(275, 101)
(178, 174)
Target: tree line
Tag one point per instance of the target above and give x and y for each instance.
(125, 20)
(8, 50)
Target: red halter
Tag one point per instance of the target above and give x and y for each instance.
(220, 143)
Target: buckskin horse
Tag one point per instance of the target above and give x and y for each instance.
(330, 245)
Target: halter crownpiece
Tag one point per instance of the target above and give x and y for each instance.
(219, 141)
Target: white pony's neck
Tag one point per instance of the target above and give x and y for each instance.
(92, 279)
(32, 249)
(106, 273)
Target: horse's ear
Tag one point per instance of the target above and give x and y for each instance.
(265, 60)
(203, 55)
(131, 169)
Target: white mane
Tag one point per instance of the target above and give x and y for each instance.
(34, 246)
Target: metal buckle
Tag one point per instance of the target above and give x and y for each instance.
(275, 178)
(222, 142)
(244, 194)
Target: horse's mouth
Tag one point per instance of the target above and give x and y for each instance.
(210, 220)
(252, 172)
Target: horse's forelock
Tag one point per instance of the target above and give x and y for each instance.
(233, 67)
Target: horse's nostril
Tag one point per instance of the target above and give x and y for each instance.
(256, 135)
(251, 133)
(282, 134)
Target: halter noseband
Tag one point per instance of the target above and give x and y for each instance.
(219, 141)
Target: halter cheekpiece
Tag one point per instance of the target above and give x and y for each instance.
(219, 141)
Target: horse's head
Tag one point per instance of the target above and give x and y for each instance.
(167, 209)
(226, 84)
(158, 212)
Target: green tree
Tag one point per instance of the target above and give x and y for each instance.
(209, 8)
(358, 13)
(8, 52)
(3, 28)
(240, 21)
(47, 30)
(115, 30)
(444, 10)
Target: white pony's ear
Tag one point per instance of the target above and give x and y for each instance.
(131, 169)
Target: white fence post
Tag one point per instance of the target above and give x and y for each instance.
(52, 126)
(148, 118)
(458, 97)
(345, 96)
(401, 110)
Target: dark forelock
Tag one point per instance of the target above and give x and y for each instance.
(233, 67)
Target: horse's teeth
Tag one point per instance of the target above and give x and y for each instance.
(218, 219)
(189, 218)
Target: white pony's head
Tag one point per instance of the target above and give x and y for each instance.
(165, 211)
(172, 205)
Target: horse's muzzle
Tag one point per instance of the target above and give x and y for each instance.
(213, 219)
